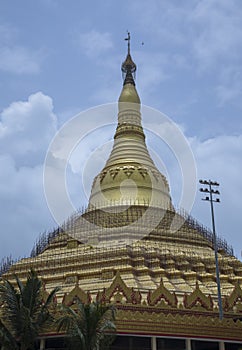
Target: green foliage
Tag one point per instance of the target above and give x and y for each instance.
(88, 326)
(24, 313)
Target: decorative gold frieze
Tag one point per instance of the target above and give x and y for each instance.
(128, 170)
(198, 298)
(234, 298)
(114, 172)
(143, 171)
(178, 324)
(77, 292)
(119, 291)
(102, 175)
(162, 292)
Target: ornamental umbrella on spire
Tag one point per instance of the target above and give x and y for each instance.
(128, 66)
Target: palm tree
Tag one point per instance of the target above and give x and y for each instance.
(88, 326)
(23, 313)
(7, 341)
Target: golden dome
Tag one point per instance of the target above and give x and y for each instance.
(130, 175)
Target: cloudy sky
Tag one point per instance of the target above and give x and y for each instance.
(59, 58)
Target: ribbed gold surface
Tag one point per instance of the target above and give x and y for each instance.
(130, 174)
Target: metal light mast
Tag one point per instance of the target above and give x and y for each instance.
(211, 192)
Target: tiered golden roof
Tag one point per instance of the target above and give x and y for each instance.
(163, 281)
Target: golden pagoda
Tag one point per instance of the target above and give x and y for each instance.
(122, 250)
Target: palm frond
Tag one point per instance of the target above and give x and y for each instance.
(89, 326)
(51, 297)
(23, 309)
(67, 319)
(31, 292)
(7, 341)
(11, 304)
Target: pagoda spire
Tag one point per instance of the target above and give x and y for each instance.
(128, 66)
(129, 175)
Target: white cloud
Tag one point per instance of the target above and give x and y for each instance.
(163, 20)
(26, 129)
(23, 211)
(217, 31)
(95, 43)
(19, 60)
(209, 30)
(227, 93)
(152, 73)
(14, 58)
(229, 88)
(219, 159)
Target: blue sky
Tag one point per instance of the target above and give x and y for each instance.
(58, 58)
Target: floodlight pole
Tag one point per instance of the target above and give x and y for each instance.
(212, 192)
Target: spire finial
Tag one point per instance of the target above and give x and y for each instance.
(128, 67)
(128, 39)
